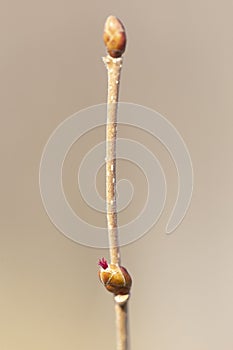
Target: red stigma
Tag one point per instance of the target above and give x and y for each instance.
(103, 263)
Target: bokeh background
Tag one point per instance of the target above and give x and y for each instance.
(179, 63)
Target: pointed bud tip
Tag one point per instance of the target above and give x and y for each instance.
(103, 263)
(114, 37)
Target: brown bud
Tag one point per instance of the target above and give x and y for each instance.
(116, 279)
(114, 37)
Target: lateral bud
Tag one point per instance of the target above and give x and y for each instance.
(115, 278)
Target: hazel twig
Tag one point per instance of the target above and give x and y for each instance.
(115, 41)
(115, 277)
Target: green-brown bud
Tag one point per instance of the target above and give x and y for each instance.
(114, 37)
(116, 279)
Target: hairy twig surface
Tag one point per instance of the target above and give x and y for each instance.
(115, 41)
(114, 68)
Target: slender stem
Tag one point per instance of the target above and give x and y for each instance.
(115, 41)
(114, 69)
(122, 325)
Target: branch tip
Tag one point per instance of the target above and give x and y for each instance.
(114, 37)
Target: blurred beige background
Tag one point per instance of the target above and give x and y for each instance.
(179, 63)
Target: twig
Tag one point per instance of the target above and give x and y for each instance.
(114, 69)
(121, 310)
(115, 277)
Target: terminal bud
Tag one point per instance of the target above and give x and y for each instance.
(114, 37)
